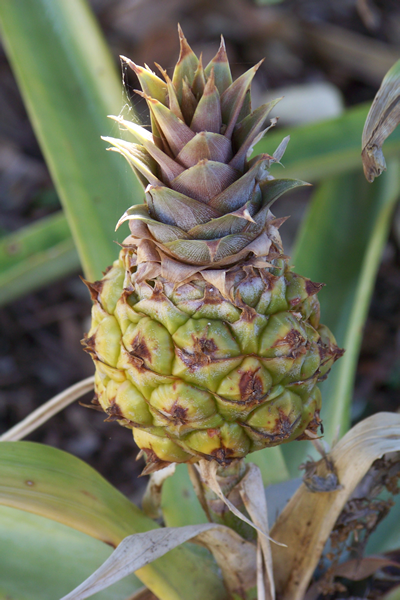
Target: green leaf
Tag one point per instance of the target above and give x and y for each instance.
(340, 244)
(394, 594)
(36, 255)
(43, 560)
(179, 503)
(271, 463)
(55, 484)
(69, 85)
(323, 149)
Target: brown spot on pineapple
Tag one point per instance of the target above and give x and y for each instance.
(94, 288)
(312, 287)
(158, 292)
(211, 296)
(113, 411)
(212, 432)
(223, 455)
(248, 313)
(327, 353)
(313, 426)
(205, 345)
(204, 348)
(284, 426)
(136, 362)
(153, 462)
(338, 352)
(294, 301)
(178, 414)
(89, 345)
(250, 386)
(140, 349)
(194, 360)
(268, 278)
(296, 342)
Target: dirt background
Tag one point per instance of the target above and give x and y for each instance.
(305, 42)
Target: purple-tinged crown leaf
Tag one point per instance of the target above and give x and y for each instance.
(207, 201)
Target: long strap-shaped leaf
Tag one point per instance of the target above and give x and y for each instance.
(340, 244)
(35, 256)
(324, 149)
(69, 84)
(55, 484)
(40, 558)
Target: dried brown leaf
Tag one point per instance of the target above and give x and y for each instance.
(237, 556)
(307, 520)
(251, 490)
(253, 495)
(382, 119)
(356, 570)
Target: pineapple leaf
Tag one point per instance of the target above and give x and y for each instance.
(188, 510)
(69, 84)
(170, 168)
(205, 180)
(207, 116)
(173, 208)
(233, 98)
(241, 567)
(150, 83)
(55, 484)
(222, 70)
(199, 80)
(36, 255)
(176, 132)
(41, 554)
(186, 66)
(212, 146)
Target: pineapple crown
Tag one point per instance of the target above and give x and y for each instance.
(207, 204)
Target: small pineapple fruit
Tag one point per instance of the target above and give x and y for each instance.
(206, 343)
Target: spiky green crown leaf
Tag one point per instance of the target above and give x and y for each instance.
(206, 204)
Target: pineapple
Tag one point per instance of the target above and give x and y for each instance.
(206, 343)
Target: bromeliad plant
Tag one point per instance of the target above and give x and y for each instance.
(209, 347)
(205, 342)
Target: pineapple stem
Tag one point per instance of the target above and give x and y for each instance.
(228, 477)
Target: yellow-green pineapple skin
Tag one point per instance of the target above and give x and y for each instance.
(196, 376)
